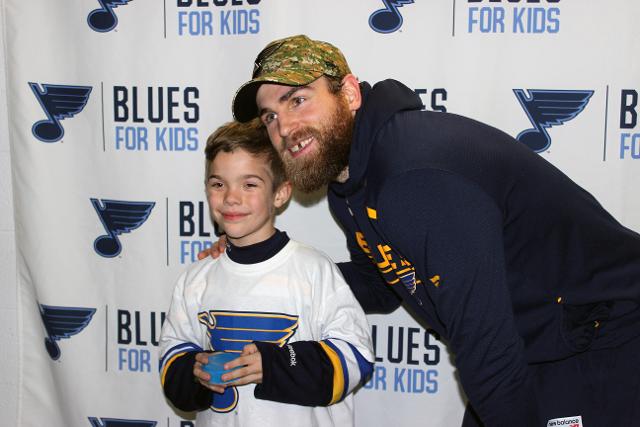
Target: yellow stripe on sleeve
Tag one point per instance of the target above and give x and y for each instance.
(338, 376)
(166, 366)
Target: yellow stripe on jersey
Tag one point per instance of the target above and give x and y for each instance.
(338, 375)
(168, 364)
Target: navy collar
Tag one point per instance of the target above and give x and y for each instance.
(258, 252)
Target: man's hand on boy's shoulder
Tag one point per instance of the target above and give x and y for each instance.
(216, 249)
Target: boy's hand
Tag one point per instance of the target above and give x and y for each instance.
(251, 370)
(215, 250)
(202, 377)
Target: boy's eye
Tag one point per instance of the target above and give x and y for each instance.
(250, 185)
(215, 184)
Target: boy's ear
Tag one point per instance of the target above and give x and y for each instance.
(283, 193)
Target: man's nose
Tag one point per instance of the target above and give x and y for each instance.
(286, 124)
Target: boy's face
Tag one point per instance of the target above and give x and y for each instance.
(241, 197)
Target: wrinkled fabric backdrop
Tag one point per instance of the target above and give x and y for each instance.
(109, 107)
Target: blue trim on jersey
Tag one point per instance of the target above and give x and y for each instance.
(180, 348)
(366, 367)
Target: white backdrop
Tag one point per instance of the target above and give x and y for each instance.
(126, 93)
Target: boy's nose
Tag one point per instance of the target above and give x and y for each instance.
(231, 197)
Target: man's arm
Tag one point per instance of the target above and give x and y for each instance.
(368, 286)
(452, 228)
(362, 276)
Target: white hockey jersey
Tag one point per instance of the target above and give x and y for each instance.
(297, 295)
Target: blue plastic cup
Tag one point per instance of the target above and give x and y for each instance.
(215, 366)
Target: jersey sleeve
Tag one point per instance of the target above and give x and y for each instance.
(455, 230)
(178, 348)
(323, 372)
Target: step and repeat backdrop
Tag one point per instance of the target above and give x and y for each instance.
(111, 102)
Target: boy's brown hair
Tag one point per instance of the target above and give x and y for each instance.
(251, 137)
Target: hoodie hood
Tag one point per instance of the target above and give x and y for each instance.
(379, 104)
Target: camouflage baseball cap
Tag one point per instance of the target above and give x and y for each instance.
(292, 61)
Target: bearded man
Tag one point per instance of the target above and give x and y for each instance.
(533, 284)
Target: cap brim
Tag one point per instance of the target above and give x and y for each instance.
(244, 106)
(244, 103)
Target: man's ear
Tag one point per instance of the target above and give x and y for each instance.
(283, 193)
(351, 91)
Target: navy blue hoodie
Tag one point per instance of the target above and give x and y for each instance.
(495, 248)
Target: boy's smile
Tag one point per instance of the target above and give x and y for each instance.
(241, 196)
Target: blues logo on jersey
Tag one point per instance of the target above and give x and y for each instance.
(104, 19)
(546, 108)
(394, 269)
(59, 102)
(63, 322)
(118, 217)
(388, 19)
(231, 330)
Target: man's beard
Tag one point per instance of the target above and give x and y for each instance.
(333, 144)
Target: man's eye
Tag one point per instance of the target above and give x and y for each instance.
(298, 100)
(268, 118)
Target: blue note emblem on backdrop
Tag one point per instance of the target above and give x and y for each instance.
(104, 18)
(118, 217)
(117, 422)
(388, 19)
(59, 102)
(546, 108)
(63, 322)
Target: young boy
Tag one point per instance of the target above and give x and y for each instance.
(283, 307)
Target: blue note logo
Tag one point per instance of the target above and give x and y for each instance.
(118, 217)
(231, 330)
(546, 108)
(59, 102)
(116, 422)
(104, 19)
(63, 322)
(388, 19)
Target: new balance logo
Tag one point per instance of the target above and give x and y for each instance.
(566, 422)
